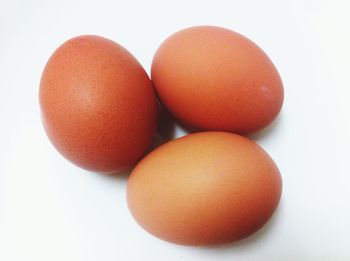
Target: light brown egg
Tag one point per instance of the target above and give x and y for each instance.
(204, 188)
(98, 105)
(211, 78)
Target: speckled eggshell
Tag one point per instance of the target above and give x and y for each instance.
(211, 78)
(98, 104)
(204, 188)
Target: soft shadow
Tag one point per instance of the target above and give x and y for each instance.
(267, 131)
(241, 245)
(123, 175)
(166, 126)
(248, 242)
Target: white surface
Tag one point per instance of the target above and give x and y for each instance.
(52, 210)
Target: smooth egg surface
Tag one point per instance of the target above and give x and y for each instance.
(211, 78)
(205, 188)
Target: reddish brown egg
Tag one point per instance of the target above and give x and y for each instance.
(211, 78)
(98, 104)
(204, 188)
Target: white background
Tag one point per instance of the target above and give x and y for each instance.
(52, 210)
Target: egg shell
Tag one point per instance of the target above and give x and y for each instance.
(204, 188)
(98, 104)
(211, 78)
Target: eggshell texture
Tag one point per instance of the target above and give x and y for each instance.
(98, 105)
(204, 188)
(211, 78)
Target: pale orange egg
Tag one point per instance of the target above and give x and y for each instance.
(204, 188)
(211, 78)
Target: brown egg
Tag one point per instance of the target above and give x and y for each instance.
(211, 78)
(98, 104)
(204, 188)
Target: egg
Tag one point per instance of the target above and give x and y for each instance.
(211, 78)
(205, 188)
(98, 105)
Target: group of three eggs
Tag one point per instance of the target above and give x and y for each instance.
(100, 110)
